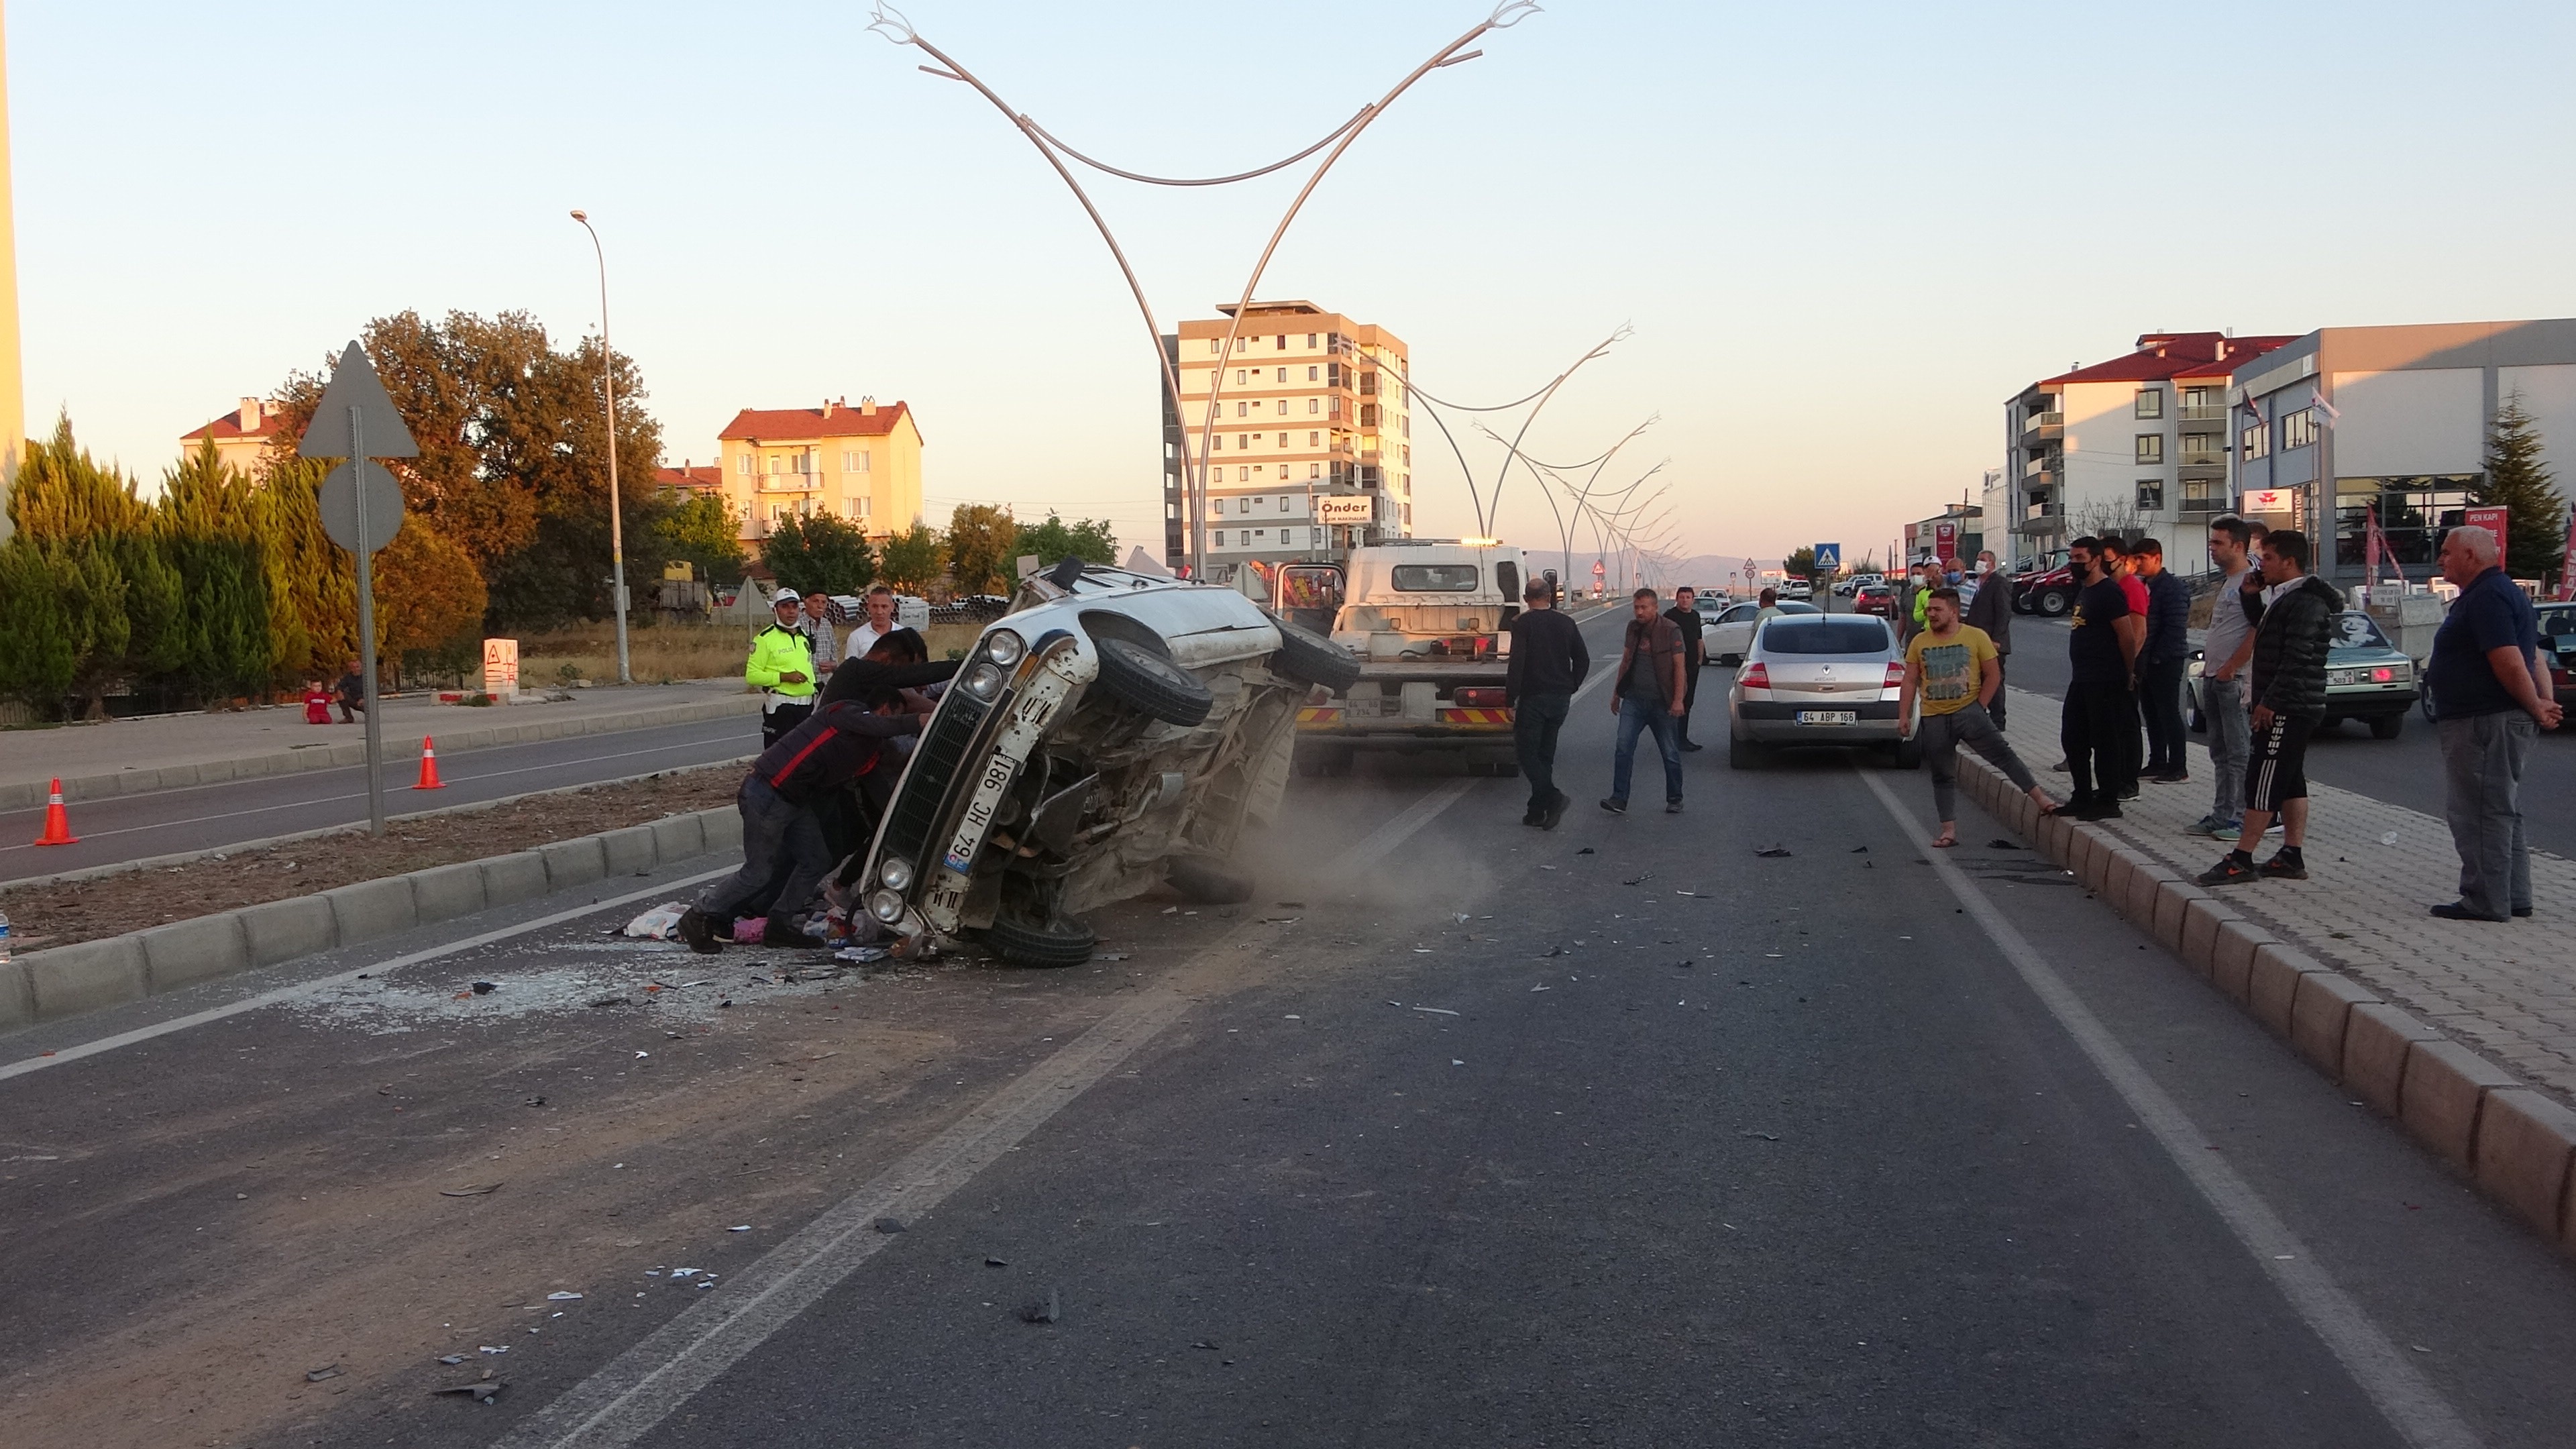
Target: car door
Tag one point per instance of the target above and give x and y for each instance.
(1732, 634)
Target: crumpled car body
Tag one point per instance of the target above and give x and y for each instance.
(1112, 731)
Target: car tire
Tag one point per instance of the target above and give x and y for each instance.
(1151, 684)
(1743, 754)
(2054, 602)
(1309, 658)
(1055, 944)
(2387, 726)
(1730, 661)
(2330, 722)
(1906, 754)
(1208, 883)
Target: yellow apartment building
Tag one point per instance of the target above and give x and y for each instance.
(860, 464)
(1308, 405)
(241, 436)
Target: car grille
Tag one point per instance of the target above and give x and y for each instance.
(919, 804)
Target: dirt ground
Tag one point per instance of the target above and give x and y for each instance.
(58, 915)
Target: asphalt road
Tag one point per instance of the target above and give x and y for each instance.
(207, 817)
(1458, 1134)
(2404, 771)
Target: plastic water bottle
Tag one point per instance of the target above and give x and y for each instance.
(4, 938)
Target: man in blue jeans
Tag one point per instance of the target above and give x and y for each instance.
(1649, 693)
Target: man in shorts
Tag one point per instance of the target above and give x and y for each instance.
(2288, 694)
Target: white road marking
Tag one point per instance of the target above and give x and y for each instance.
(623, 1401)
(312, 988)
(2402, 1394)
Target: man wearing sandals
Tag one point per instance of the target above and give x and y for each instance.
(1955, 671)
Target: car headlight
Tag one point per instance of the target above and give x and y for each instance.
(983, 681)
(1005, 648)
(895, 874)
(886, 906)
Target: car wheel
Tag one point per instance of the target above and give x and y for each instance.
(1730, 661)
(2054, 602)
(1906, 754)
(1743, 754)
(1151, 684)
(1309, 658)
(1023, 943)
(1208, 883)
(2330, 722)
(2388, 726)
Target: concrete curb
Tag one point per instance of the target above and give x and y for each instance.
(69, 980)
(2517, 1144)
(25, 794)
(265, 842)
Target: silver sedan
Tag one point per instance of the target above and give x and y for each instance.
(1819, 680)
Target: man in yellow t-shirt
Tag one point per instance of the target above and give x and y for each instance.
(1953, 670)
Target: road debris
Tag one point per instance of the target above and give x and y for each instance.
(1775, 852)
(1587, 850)
(452, 1359)
(487, 1348)
(486, 988)
(1860, 850)
(1436, 1010)
(1999, 843)
(658, 924)
(561, 1297)
(739, 1228)
(1765, 1136)
(996, 1263)
(1046, 1311)
(469, 1191)
(327, 1371)
(482, 1393)
(890, 1225)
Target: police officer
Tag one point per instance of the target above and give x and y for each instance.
(781, 667)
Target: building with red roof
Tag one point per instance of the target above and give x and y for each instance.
(2137, 445)
(860, 464)
(240, 437)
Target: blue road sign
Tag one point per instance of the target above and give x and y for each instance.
(1829, 556)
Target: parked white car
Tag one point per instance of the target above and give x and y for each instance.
(1731, 632)
(1112, 731)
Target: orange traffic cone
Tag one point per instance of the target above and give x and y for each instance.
(429, 767)
(58, 825)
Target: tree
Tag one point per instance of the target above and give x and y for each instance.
(208, 516)
(36, 658)
(2517, 481)
(981, 542)
(155, 600)
(312, 582)
(1090, 539)
(94, 619)
(1800, 565)
(820, 552)
(703, 533)
(430, 598)
(909, 560)
(62, 493)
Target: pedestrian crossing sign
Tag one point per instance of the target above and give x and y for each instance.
(1829, 557)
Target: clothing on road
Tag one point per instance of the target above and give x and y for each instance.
(2486, 738)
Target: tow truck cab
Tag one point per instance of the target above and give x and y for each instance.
(1426, 618)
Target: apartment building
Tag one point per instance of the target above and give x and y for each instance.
(2136, 445)
(860, 464)
(240, 436)
(2345, 420)
(1312, 445)
(690, 480)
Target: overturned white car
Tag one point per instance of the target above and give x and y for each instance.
(1112, 731)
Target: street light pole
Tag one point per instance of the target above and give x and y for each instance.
(616, 513)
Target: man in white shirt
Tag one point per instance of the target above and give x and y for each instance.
(879, 623)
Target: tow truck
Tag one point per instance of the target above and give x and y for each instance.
(1426, 618)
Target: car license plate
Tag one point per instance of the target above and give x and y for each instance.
(1828, 716)
(2348, 676)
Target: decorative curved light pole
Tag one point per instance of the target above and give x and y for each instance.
(891, 24)
(616, 513)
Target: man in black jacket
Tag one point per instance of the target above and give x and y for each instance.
(1991, 610)
(2288, 694)
(1548, 664)
(2161, 661)
(1685, 616)
(833, 748)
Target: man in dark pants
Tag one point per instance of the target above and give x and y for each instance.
(833, 747)
(2161, 658)
(1548, 664)
(1646, 695)
(1991, 611)
(2101, 715)
(1685, 616)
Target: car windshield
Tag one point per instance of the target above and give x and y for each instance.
(1824, 636)
(2356, 630)
(1435, 578)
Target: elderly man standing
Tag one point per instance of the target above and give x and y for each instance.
(2490, 701)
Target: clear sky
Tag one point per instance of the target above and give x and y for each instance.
(1843, 233)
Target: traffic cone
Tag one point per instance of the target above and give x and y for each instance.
(429, 767)
(58, 825)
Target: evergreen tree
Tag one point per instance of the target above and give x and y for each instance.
(94, 620)
(210, 518)
(36, 657)
(155, 607)
(62, 493)
(312, 582)
(2517, 481)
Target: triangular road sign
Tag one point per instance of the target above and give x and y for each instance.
(355, 384)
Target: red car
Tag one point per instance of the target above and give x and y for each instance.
(1879, 599)
(2050, 592)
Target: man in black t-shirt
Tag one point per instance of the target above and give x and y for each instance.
(2101, 713)
(1685, 616)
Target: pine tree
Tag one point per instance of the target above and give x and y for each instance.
(94, 619)
(63, 493)
(155, 607)
(209, 515)
(36, 656)
(2517, 481)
